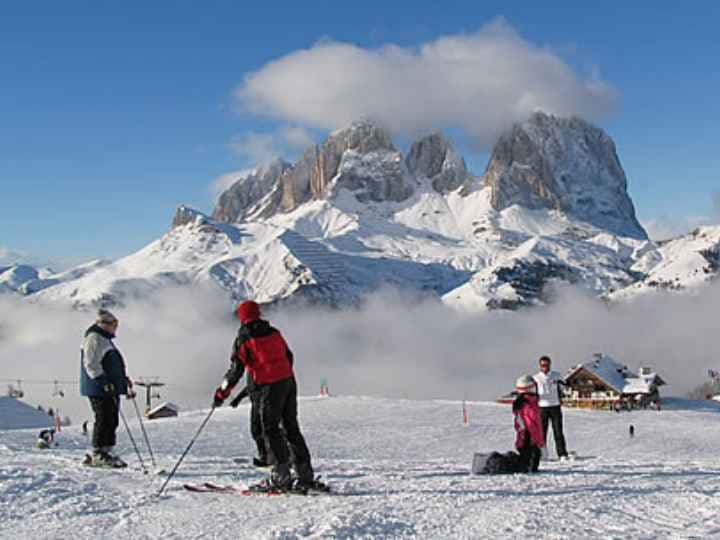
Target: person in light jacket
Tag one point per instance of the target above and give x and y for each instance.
(103, 380)
(548, 388)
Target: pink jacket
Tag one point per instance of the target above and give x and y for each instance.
(527, 421)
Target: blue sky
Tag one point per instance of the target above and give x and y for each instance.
(112, 114)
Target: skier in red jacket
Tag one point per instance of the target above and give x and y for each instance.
(262, 350)
(528, 424)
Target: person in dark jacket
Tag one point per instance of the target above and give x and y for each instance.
(262, 350)
(255, 422)
(103, 380)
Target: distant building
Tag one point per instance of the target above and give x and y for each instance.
(604, 383)
(164, 410)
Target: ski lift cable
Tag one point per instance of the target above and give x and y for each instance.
(22, 380)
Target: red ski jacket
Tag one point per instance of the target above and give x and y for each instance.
(263, 351)
(528, 424)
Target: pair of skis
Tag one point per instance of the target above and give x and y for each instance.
(210, 487)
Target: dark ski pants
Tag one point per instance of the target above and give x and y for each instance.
(256, 426)
(257, 432)
(529, 458)
(107, 419)
(278, 403)
(554, 415)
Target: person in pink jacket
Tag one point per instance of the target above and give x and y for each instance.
(528, 424)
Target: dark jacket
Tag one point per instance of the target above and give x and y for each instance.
(101, 363)
(262, 350)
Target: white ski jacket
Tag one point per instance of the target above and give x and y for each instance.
(548, 388)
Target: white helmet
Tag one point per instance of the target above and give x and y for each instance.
(525, 385)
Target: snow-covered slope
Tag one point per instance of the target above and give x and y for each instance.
(352, 215)
(400, 469)
(24, 279)
(684, 263)
(16, 414)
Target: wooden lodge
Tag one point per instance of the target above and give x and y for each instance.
(604, 383)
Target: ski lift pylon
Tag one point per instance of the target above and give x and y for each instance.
(57, 390)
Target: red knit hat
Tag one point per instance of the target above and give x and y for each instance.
(248, 312)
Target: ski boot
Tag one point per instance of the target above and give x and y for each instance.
(308, 486)
(279, 481)
(104, 460)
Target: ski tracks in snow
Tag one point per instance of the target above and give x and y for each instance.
(398, 469)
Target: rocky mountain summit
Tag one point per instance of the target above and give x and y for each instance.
(566, 165)
(353, 215)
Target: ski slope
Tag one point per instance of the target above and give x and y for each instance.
(399, 469)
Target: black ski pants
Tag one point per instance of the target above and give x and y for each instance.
(554, 415)
(256, 425)
(107, 419)
(278, 403)
(529, 458)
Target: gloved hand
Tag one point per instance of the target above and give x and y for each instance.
(235, 402)
(220, 396)
(109, 388)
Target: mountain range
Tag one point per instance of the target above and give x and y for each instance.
(354, 214)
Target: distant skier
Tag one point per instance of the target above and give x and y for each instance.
(263, 351)
(632, 431)
(103, 380)
(528, 425)
(548, 388)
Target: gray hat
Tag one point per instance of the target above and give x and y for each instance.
(105, 317)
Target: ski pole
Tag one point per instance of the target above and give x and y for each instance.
(192, 441)
(132, 439)
(142, 428)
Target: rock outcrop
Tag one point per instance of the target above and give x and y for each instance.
(256, 192)
(435, 158)
(566, 165)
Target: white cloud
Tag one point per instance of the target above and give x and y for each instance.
(389, 346)
(481, 82)
(256, 148)
(261, 148)
(296, 137)
(224, 181)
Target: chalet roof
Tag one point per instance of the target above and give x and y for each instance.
(617, 376)
(164, 405)
(606, 369)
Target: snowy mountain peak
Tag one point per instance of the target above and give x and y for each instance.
(363, 136)
(185, 214)
(435, 158)
(252, 193)
(563, 164)
(360, 158)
